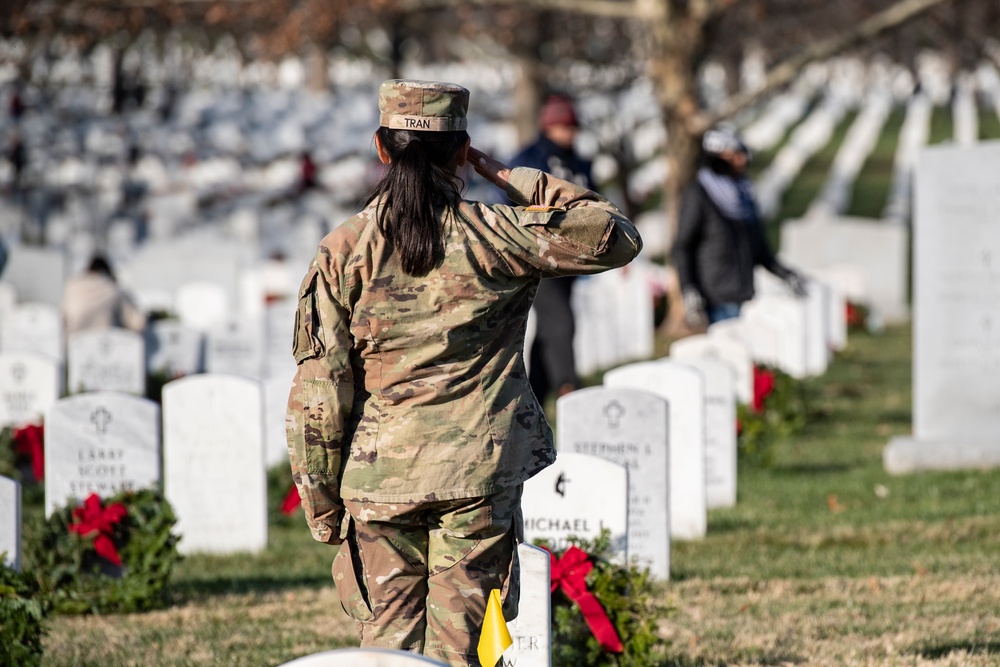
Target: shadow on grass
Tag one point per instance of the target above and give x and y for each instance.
(971, 647)
(820, 468)
(764, 658)
(198, 589)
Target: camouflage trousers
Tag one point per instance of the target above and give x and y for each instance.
(417, 576)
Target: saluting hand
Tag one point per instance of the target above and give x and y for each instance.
(492, 170)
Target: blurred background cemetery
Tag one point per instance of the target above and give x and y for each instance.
(205, 147)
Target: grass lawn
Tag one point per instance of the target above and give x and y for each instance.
(871, 188)
(825, 560)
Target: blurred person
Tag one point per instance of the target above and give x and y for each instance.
(411, 424)
(720, 236)
(94, 300)
(17, 155)
(552, 367)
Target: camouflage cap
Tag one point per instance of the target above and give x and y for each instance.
(432, 106)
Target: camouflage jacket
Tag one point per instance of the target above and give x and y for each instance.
(413, 389)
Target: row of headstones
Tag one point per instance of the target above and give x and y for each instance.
(211, 445)
(659, 438)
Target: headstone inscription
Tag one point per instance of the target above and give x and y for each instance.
(956, 328)
(100, 443)
(629, 427)
(363, 657)
(531, 631)
(720, 432)
(29, 385)
(578, 495)
(213, 462)
(683, 387)
(106, 360)
(10, 522)
(236, 348)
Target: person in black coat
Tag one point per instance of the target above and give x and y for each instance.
(720, 236)
(552, 364)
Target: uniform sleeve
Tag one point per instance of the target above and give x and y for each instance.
(320, 402)
(689, 230)
(559, 228)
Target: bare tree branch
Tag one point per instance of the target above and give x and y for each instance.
(620, 9)
(786, 71)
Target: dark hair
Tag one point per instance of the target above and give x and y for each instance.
(98, 264)
(418, 185)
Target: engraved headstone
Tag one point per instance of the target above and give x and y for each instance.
(236, 348)
(33, 327)
(213, 462)
(956, 328)
(630, 428)
(100, 443)
(29, 385)
(684, 390)
(578, 495)
(173, 349)
(531, 631)
(720, 431)
(106, 360)
(10, 522)
(730, 350)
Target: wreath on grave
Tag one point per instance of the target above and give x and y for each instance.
(22, 451)
(603, 613)
(857, 316)
(106, 556)
(779, 409)
(22, 613)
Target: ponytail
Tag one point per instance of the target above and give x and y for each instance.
(417, 187)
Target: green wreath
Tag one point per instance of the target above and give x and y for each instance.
(22, 613)
(74, 553)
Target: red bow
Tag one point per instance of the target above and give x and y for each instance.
(763, 386)
(92, 520)
(292, 501)
(28, 441)
(569, 573)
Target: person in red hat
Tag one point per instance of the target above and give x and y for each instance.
(552, 364)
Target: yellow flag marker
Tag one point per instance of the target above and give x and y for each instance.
(494, 638)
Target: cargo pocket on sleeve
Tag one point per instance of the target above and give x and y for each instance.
(349, 577)
(307, 342)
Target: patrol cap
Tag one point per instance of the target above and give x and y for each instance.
(432, 106)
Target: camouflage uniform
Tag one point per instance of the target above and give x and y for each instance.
(411, 405)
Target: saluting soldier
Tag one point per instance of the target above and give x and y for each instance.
(411, 423)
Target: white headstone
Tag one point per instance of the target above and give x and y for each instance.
(236, 348)
(203, 305)
(276, 390)
(174, 349)
(729, 350)
(956, 328)
(578, 495)
(787, 315)
(531, 631)
(106, 360)
(213, 462)
(720, 431)
(10, 522)
(630, 428)
(8, 299)
(759, 336)
(684, 389)
(38, 274)
(100, 443)
(363, 657)
(33, 327)
(29, 385)
(876, 249)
